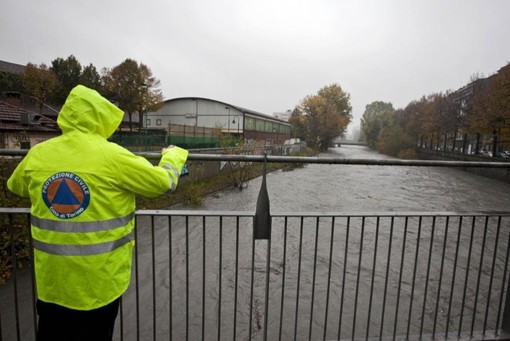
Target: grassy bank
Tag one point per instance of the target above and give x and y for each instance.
(191, 193)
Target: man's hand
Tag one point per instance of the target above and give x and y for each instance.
(169, 147)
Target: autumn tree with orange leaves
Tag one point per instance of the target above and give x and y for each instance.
(323, 117)
(133, 86)
(40, 82)
(491, 112)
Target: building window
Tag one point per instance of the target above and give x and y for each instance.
(158, 122)
(250, 123)
(148, 122)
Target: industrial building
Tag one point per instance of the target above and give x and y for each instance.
(197, 117)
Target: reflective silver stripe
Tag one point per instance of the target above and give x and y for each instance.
(172, 168)
(176, 173)
(172, 185)
(81, 227)
(82, 250)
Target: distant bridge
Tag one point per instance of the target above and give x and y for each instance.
(348, 143)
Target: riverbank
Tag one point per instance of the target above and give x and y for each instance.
(191, 191)
(501, 174)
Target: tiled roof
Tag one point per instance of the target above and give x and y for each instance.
(10, 117)
(28, 103)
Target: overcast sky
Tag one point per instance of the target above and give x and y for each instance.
(267, 55)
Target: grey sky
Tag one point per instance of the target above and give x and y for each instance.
(267, 55)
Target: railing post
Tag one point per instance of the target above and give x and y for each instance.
(262, 219)
(505, 323)
(494, 144)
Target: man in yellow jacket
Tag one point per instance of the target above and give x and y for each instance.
(82, 190)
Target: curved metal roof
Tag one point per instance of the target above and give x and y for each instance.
(244, 110)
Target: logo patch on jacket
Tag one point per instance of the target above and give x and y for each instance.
(66, 195)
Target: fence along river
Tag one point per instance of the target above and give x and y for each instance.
(330, 276)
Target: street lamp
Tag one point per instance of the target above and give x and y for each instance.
(228, 119)
(142, 106)
(234, 122)
(144, 114)
(145, 138)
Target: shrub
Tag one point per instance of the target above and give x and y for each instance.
(15, 234)
(408, 154)
(193, 195)
(19, 243)
(393, 140)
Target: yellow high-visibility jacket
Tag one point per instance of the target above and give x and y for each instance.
(82, 190)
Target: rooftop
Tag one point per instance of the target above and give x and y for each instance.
(18, 118)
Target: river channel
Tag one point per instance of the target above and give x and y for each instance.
(354, 188)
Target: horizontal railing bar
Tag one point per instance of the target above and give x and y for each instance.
(390, 214)
(315, 160)
(336, 160)
(281, 214)
(194, 213)
(16, 210)
(476, 336)
(340, 161)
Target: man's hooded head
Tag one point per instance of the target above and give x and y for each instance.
(85, 110)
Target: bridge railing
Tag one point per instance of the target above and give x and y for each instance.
(202, 275)
(299, 275)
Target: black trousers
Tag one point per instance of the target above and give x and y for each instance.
(57, 323)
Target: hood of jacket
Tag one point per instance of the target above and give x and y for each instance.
(86, 111)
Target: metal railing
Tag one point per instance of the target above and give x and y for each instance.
(200, 275)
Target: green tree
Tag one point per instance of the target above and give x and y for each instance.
(326, 114)
(298, 124)
(133, 87)
(68, 72)
(10, 82)
(40, 82)
(376, 117)
(90, 78)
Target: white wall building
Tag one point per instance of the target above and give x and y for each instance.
(228, 118)
(200, 112)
